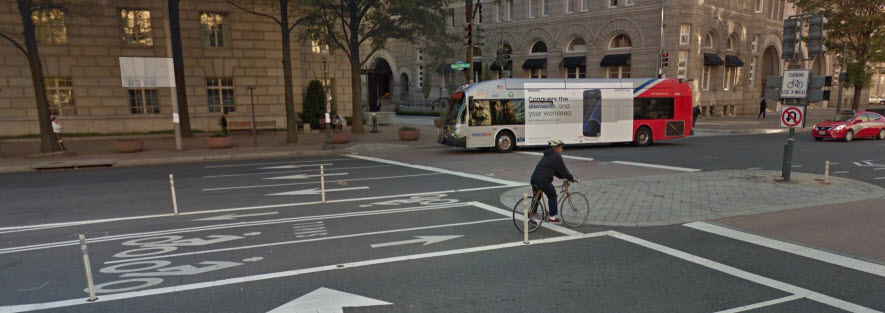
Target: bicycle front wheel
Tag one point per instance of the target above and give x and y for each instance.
(519, 214)
(575, 209)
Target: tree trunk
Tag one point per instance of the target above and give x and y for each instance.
(291, 127)
(855, 100)
(356, 94)
(178, 65)
(47, 136)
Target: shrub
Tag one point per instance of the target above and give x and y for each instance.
(314, 104)
(406, 128)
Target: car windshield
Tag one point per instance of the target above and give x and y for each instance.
(842, 117)
(451, 114)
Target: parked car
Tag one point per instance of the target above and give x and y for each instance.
(848, 125)
(877, 100)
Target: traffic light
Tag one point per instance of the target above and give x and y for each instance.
(480, 37)
(665, 59)
(468, 34)
(816, 36)
(792, 35)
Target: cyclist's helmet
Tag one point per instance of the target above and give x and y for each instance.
(554, 143)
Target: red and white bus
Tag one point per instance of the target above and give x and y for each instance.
(509, 113)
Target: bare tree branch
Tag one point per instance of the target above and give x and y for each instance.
(15, 43)
(256, 12)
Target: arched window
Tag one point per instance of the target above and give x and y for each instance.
(577, 45)
(732, 42)
(709, 41)
(621, 41)
(404, 85)
(539, 47)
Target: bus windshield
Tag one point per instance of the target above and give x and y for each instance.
(451, 114)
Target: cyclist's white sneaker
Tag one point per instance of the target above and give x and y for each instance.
(534, 221)
(554, 220)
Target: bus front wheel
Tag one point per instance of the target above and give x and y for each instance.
(505, 142)
(642, 137)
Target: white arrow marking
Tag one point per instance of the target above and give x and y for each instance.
(230, 217)
(292, 166)
(867, 163)
(303, 176)
(326, 300)
(314, 191)
(187, 269)
(193, 242)
(425, 239)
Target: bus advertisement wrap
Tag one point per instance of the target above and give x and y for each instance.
(578, 115)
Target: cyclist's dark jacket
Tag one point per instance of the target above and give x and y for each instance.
(550, 165)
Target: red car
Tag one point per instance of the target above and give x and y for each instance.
(848, 125)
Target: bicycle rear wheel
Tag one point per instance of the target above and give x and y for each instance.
(575, 209)
(519, 214)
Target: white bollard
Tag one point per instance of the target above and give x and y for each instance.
(525, 227)
(323, 183)
(89, 283)
(827, 173)
(174, 200)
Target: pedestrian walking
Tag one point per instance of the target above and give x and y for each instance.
(762, 107)
(223, 123)
(56, 128)
(695, 113)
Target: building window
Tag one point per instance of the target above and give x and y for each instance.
(452, 19)
(752, 71)
(754, 45)
(510, 9)
(570, 6)
(60, 94)
(682, 65)
(576, 45)
(49, 26)
(539, 47)
(612, 3)
(220, 94)
(136, 27)
(576, 72)
(546, 6)
(629, 2)
(709, 41)
(479, 14)
(421, 76)
(214, 31)
(532, 8)
(705, 77)
(538, 73)
(760, 4)
(143, 101)
(618, 71)
(732, 42)
(685, 34)
(729, 75)
(620, 41)
(420, 55)
(499, 13)
(585, 5)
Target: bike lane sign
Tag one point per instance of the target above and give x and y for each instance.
(795, 84)
(791, 116)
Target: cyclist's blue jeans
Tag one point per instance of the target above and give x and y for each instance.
(550, 191)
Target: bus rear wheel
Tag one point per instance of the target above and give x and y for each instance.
(505, 142)
(642, 137)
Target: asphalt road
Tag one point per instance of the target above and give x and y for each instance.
(253, 236)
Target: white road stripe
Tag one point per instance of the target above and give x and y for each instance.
(666, 167)
(840, 172)
(259, 277)
(294, 171)
(879, 178)
(807, 252)
(761, 304)
(439, 170)
(765, 281)
(552, 227)
(307, 240)
(800, 165)
(563, 156)
(879, 169)
(755, 168)
(272, 163)
(4, 230)
(317, 182)
(834, 163)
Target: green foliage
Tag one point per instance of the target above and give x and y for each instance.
(407, 128)
(428, 83)
(314, 104)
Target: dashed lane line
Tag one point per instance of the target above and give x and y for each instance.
(295, 171)
(761, 304)
(272, 163)
(317, 182)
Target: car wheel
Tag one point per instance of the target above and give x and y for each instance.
(642, 137)
(504, 142)
(849, 135)
(881, 134)
(818, 138)
(881, 102)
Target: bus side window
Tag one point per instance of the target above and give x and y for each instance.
(653, 108)
(480, 114)
(504, 112)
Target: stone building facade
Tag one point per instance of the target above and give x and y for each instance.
(225, 50)
(725, 48)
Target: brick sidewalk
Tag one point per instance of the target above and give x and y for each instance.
(690, 197)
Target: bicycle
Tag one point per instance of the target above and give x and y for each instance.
(574, 208)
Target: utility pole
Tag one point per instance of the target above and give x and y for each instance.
(175, 119)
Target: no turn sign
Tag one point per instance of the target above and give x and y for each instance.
(791, 116)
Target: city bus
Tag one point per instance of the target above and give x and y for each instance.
(508, 113)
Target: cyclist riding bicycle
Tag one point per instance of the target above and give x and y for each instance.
(551, 165)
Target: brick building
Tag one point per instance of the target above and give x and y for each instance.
(225, 50)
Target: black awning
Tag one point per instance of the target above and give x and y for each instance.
(711, 59)
(497, 67)
(533, 64)
(615, 60)
(733, 61)
(477, 65)
(573, 62)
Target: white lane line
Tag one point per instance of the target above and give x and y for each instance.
(834, 163)
(259, 277)
(800, 165)
(755, 168)
(281, 167)
(4, 230)
(761, 304)
(281, 243)
(303, 176)
(840, 172)
(316, 182)
(314, 191)
(665, 167)
(272, 163)
(439, 170)
(807, 252)
(563, 156)
(765, 281)
(552, 227)
(879, 178)
(228, 225)
(879, 169)
(295, 171)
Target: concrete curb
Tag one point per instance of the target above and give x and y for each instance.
(749, 132)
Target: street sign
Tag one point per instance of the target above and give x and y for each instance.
(460, 66)
(795, 84)
(791, 116)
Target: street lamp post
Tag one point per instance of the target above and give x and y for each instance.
(251, 89)
(324, 52)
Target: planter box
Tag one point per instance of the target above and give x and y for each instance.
(409, 135)
(219, 142)
(128, 146)
(340, 137)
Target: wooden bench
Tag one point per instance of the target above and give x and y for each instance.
(247, 126)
